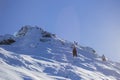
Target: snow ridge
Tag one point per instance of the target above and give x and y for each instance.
(38, 55)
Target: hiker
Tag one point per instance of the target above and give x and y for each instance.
(74, 52)
(103, 58)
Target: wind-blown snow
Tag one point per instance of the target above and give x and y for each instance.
(40, 55)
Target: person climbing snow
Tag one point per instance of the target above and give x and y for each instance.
(103, 58)
(74, 52)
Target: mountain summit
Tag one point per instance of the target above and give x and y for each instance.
(29, 31)
(35, 54)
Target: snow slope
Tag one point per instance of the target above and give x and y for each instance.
(40, 55)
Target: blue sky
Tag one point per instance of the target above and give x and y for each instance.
(94, 23)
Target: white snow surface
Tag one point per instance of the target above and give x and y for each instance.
(36, 57)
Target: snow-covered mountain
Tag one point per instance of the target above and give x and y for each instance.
(35, 54)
